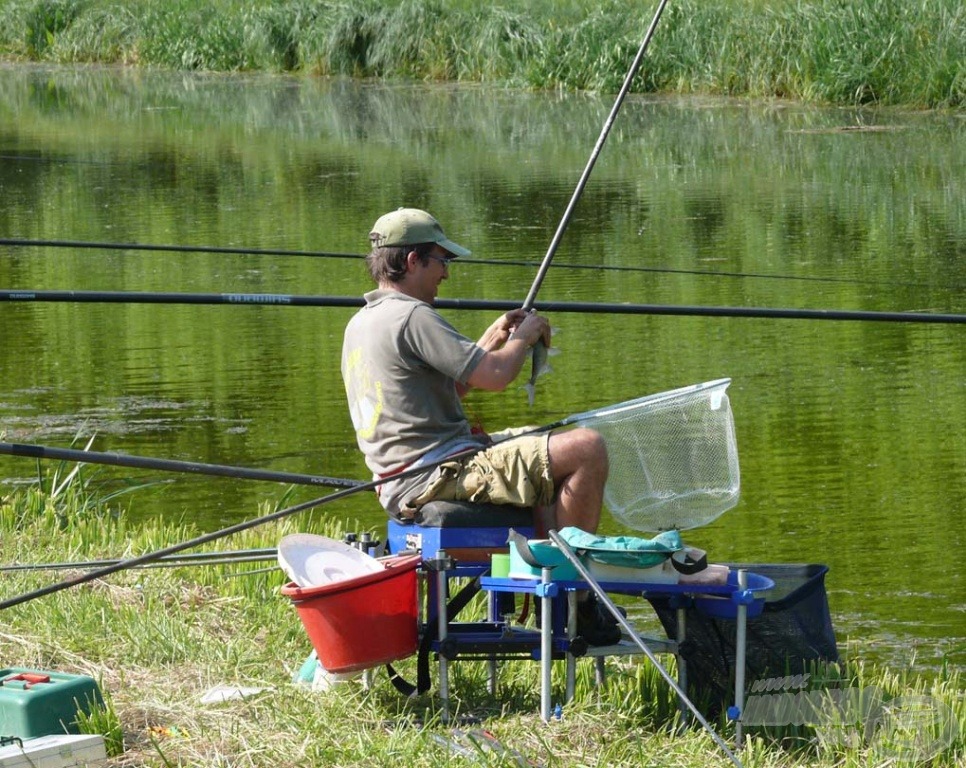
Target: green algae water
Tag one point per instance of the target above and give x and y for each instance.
(851, 434)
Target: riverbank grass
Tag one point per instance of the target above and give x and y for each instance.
(158, 639)
(896, 52)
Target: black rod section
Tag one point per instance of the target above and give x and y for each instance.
(579, 307)
(81, 244)
(170, 465)
(592, 160)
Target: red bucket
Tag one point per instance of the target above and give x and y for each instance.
(365, 621)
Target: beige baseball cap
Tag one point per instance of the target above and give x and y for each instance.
(411, 226)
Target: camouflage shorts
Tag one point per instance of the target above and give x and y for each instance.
(511, 471)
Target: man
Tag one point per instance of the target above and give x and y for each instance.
(406, 370)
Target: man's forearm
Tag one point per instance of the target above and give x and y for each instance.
(500, 366)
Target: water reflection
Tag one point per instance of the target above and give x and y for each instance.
(850, 434)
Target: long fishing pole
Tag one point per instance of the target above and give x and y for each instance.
(149, 557)
(135, 562)
(595, 153)
(108, 246)
(170, 465)
(83, 244)
(172, 561)
(579, 307)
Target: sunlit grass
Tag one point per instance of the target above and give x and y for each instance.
(157, 640)
(881, 51)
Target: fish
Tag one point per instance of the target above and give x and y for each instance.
(539, 353)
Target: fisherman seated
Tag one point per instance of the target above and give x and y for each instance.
(406, 370)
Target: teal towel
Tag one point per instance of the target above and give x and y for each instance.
(626, 551)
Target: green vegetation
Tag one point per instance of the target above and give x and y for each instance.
(157, 639)
(865, 51)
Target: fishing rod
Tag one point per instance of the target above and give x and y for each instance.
(579, 307)
(150, 557)
(469, 260)
(107, 246)
(170, 465)
(528, 303)
(171, 561)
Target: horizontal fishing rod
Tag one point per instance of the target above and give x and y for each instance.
(278, 299)
(171, 561)
(150, 557)
(174, 248)
(81, 244)
(170, 465)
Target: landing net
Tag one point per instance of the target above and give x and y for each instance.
(673, 457)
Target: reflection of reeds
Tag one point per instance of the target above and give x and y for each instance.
(885, 51)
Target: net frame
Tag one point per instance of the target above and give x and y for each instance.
(673, 457)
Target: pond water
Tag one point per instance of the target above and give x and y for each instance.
(851, 434)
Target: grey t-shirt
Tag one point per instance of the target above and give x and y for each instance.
(400, 364)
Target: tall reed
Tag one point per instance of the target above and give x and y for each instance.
(908, 52)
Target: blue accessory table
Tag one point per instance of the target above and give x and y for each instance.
(737, 599)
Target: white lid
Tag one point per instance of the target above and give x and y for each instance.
(315, 561)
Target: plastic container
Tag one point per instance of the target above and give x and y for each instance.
(64, 751)
(662, 573)
(365, 621)
(725, 607)
(36, 702)
(499, 565)
(547, 554)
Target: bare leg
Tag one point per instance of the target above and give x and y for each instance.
(579, 465)
(578, 462)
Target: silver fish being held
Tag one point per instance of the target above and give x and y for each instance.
(539, 353)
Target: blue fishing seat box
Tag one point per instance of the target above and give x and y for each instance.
(39, 703)
(469, 533)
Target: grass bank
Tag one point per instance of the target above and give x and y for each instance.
(158, 639)
(897, 52)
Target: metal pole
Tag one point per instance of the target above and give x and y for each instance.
(442, 623)
(740, 639)
(682, 662)
(586, 576)
(571, 687)
(546, 645)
